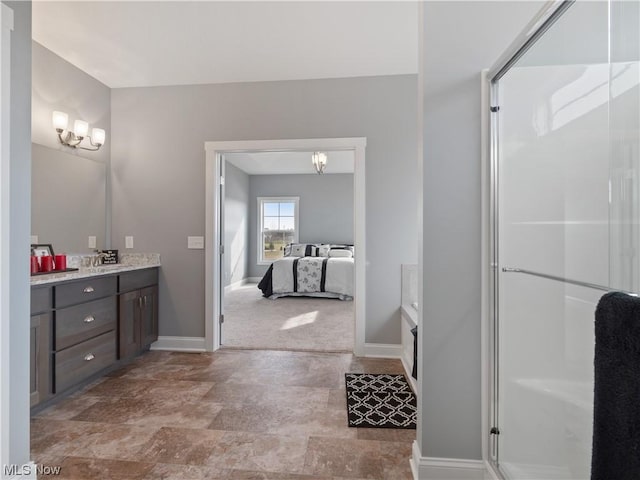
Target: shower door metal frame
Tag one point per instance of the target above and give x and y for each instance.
(547, 16)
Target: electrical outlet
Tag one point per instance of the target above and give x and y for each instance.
(92, 241)
(128, 242)
(34, 239)
(195, 243)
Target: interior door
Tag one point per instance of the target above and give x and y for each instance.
(556, 191)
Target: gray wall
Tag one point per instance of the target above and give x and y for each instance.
(58, 85)
(20, 206)
(158, 168)
(451, 369)
(236, 224)
(326, 208)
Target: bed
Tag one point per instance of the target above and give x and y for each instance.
(318, 272)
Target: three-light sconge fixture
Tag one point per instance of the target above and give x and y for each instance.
(80, 131)
(319, 160)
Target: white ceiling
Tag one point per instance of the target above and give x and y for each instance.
(282, 163)
(135, 44)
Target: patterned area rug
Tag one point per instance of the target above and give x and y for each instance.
(380, 401)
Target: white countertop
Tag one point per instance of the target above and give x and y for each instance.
(85, 272)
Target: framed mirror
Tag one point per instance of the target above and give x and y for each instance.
(68, 200)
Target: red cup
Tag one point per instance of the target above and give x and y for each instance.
(60, 262)
(46, 263)
(35, 266)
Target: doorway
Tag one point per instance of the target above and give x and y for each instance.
(214, 250)
(274, 203)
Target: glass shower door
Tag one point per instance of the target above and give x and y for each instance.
(567, 200)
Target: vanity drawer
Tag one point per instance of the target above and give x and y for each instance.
(84, 290)
(41, 299)
(137, 279)
(81, 322)
(83, 360)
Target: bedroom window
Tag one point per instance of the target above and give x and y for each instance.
(277, 226)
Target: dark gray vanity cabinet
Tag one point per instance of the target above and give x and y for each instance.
(40, 344)
(138, 319)
(80, 328)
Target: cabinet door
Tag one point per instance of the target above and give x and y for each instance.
(40, 351)
(149, 320)
(129, 324)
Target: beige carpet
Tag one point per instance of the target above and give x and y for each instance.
(289, 323)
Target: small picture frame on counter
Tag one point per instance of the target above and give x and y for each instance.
(41, 249)
(111, 257)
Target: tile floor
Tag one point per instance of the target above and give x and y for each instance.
(233, 414)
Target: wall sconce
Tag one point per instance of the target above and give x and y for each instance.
(319, 160)
(80, 130)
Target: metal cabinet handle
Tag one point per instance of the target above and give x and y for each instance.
(88, 289)
(145, 300)
(89, 319)
(140, 302)
(88, 357)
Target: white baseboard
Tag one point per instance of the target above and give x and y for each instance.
(432, 468)
(233, 286)
(492, 474)
(240, 283)
(180, 344)
(383, 350)
(414, 461)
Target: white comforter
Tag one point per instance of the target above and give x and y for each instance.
(338, 278)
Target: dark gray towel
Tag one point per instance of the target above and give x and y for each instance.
(616, 413)
(414, 371)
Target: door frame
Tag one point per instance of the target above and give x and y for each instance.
(213, 236)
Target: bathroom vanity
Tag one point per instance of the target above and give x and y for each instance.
(86, 323)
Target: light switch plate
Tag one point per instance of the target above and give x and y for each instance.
(128, 242)
(34, 239)
(195, 242)
(92, 241)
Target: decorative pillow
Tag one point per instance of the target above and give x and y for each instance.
(316, 250)
(344, 247)
(297, 250)
(340, 253)
(301, 250)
